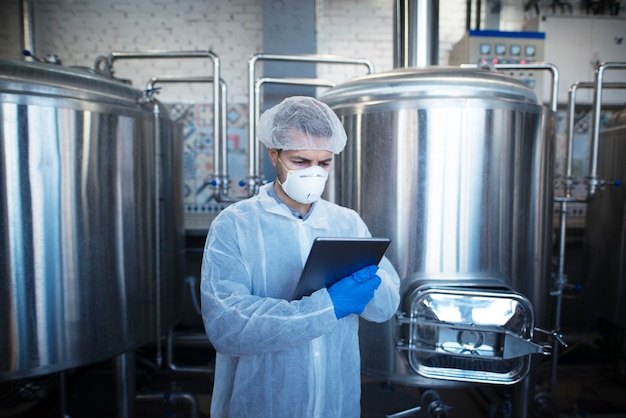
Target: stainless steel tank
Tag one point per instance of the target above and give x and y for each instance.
(455, 166)
(90, 218)
(605, 231)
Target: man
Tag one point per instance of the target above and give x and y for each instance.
(278, 357)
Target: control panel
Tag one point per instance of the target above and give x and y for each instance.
(497, 47)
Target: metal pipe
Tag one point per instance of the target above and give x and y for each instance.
(561, 279)
(595, 119)
(125, 381)
(221, 179)
(407, 413)
(417, 33)
(569, 134)
(254, 180)
(189, 340)
(172, 398)
(561, 282)
(541, 66)
(157, 216)
(28, 36)
(63, 395)
(119, 55)
(569, 144)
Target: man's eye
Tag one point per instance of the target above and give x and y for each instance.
(325, 164)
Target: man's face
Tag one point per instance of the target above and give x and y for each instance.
(301, 159)
(295, 160)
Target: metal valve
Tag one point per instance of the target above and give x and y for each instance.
(148, 95)
(431, 405)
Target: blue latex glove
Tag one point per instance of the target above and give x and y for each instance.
(352, 293)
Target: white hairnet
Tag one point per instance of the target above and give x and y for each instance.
(321, 126)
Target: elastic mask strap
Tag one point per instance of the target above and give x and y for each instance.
(283, 164)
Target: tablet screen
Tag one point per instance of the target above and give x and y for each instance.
(332, 259)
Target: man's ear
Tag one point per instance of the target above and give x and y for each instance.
(273, 154)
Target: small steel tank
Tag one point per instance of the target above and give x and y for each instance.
(455, 166)
(90, 218)
(605, 231)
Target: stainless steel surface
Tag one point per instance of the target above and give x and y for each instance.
(593, 181)
(455, 166)
(605, 234)
(416, 27)
(79, 219)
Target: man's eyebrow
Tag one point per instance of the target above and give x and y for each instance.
(308, 160)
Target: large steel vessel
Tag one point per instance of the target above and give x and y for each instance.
(605, 232)
(455, 166)
(90, 219)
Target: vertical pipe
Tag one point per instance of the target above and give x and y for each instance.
(28, 37)
(253, 156)
(223, 139)
(63, 395)
(594, 183)
(125, 384)
(569, 143)
(157, 222)
(416, 33)
(595, 126)
(217, 120)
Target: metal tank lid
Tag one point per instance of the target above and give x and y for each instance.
(51, 80)
(428, 83)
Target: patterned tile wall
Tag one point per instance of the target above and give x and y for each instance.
(198, 155)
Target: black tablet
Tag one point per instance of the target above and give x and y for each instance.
(332, 259)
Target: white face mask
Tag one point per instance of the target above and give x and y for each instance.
(306, 185)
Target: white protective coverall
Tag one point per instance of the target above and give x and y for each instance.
(277, 357)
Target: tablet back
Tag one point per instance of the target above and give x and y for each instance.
(332, 259)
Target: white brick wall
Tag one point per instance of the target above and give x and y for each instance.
(364, 29)
(356, 29)
(78, 31)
